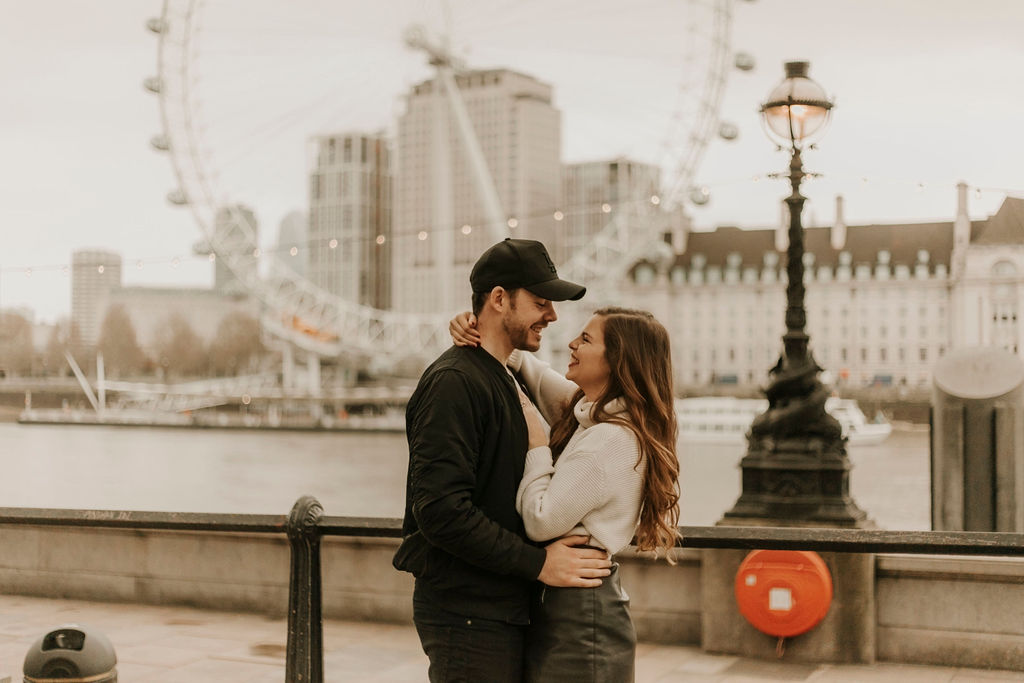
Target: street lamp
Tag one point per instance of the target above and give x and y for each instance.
(796, 469)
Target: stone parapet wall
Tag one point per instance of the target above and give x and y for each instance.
(950, 611)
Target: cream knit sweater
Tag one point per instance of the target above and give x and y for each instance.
(595, 487)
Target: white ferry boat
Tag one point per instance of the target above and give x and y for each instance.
(724, 418)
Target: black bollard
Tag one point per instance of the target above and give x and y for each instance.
(305, 657)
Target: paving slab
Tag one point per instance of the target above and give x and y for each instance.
(160, 644)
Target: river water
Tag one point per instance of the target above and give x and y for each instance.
(355, 474)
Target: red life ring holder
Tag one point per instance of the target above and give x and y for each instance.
(783, 592)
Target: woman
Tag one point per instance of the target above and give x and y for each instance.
(609, 471)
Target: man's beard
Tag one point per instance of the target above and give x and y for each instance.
(519, 335)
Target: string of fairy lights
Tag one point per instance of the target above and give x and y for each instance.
(294, 248)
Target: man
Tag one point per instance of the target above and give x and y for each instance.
(462, 537)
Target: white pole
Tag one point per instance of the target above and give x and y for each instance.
(101, 385)
(481, 173)
(82, 381)
(443, 216)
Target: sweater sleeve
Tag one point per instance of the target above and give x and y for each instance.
(551, 389)
(552, 501)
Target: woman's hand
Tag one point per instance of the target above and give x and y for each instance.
(537, 434)
(463, 330)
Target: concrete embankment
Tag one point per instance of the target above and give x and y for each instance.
(948, 611)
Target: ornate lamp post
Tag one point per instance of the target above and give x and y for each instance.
(796, 469)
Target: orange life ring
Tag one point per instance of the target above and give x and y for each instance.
(783, 592)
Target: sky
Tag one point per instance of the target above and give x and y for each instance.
(926, 91)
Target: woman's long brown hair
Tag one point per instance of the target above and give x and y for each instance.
(637, 349)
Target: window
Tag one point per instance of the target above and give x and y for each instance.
(923, 352)
(1004, 269)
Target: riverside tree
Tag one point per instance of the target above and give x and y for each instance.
(236, 348)
(180, 351)
(16, 351)
(119, 345)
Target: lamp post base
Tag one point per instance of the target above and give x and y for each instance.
(799, 480)
(794, 482)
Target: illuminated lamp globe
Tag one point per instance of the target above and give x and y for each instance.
(797, 109)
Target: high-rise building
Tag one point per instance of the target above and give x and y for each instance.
(519, 134)
(293, 242)
(350, 218)
(94, 273)
(594, 193)
(236, 232)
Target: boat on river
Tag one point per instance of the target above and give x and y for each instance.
(727, 419)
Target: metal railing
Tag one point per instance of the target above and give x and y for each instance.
(306, 524)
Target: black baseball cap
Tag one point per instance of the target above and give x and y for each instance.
(514, 263)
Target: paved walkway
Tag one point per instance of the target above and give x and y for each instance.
(183, 645)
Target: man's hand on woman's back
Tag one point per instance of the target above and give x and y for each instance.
(567, 566)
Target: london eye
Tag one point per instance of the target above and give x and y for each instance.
(242, 91)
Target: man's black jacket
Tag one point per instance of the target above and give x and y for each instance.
(462, 537)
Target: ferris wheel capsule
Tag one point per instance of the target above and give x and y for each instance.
(177, 197)
(156, 25)
(728, 131)
(744, 61)
(160, 142)
(700, 195)
(153, 84)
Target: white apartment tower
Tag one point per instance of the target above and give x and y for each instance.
(293, 242)
(93, 274)
(519, 134)
(594, 193)
(350, 218)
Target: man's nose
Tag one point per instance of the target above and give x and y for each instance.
(550, 315)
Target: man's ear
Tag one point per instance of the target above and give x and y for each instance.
(498, 298)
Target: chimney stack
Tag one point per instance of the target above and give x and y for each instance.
(838, 233)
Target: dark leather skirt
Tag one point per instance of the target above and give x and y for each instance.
(581, 634)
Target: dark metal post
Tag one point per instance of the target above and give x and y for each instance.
(305, 658)
(796, 468)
